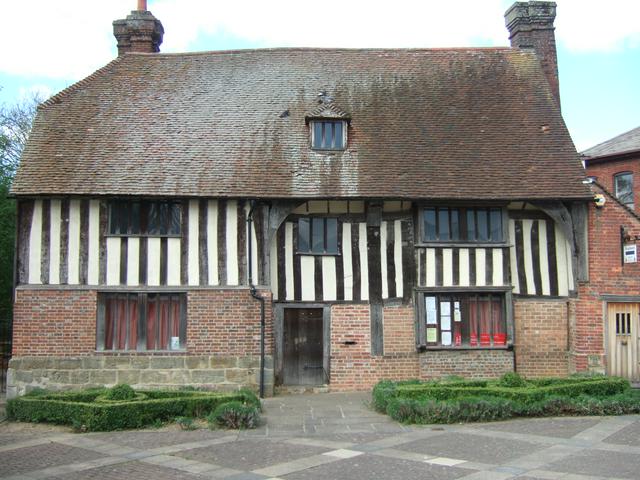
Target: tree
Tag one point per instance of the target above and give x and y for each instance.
(15, 125)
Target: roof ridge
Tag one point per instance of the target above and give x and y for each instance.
(57, 98)
(328, 49)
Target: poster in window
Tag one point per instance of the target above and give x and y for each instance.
(432, 335)
(445, 308)
(446, 338)
(445, 322)
(457, 317)
(430, 307)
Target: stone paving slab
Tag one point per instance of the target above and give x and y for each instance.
(369, 467)
(251, 454)
(130, 470)
(42, 456)
(332, 436)
(629, 435)
(472, 447)
(600, 463)
(157, 438)
(549, 427)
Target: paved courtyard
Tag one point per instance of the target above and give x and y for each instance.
(331, 436)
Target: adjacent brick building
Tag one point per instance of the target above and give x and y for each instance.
(301, 217)
(605, 337)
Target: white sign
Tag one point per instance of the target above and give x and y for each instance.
(630, 254)
(175, 343)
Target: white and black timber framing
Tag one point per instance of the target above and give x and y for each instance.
(66, 242)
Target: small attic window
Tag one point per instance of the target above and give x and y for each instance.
(328, 134)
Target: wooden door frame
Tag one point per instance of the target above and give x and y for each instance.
(606, 301)
(278, 334)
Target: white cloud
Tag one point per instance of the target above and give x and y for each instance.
(71, 38)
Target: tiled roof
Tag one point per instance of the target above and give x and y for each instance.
(444, 123)
(626, 142)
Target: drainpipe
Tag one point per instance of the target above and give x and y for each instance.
(254, 294)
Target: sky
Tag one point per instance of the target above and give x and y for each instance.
(49, 45)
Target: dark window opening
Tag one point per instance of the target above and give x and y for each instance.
(144, 218)
(142, 322)
(624, 188)
(444, 224)
(328, 135)
(464, 320)
(318, 235)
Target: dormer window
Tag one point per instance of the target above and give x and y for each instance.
(328, 126)
(328, 134)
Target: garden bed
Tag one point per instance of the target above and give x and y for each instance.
(104, 409)
(458, 400)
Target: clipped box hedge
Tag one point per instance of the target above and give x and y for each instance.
(447, 401)
(81, 409)
(529, 394)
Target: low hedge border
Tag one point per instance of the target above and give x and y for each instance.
(485, 409)
(527, 395)
(455, 400)
(80, 409)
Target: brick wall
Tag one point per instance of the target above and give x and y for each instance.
(542, 337)
(465, 363)
(227, 322)
(607, 274)
(352, 366)
(54, 322)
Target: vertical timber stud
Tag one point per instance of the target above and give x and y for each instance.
(374, 220)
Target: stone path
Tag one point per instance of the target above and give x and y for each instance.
(332, 436)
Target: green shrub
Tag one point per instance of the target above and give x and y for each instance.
(512, 380)
(81, 410)
(529, 394)
(235, 415)
(463, 410)
(454, 400)
(119, 392)
(186, 423)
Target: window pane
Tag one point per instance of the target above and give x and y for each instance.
(455, 227)
(483, 225)
(303, 235)
(164, 218)
(496, 224)
(135, 218)
(174, 219)
(317, 134)
(317, 229)
(154, 219)
(443, 224)
(332, 235)
(119, 218)
(471, 225)
(326, 134)
(338, 135)
(429, 224)
(624, 188)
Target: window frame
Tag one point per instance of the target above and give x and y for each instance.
(312, 128)
(144, 204)
(462, 211)
(324, 251)
(142, 300)
(505, 296)
(618, 175)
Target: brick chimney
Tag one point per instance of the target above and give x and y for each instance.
(139, 32)
(530, 26)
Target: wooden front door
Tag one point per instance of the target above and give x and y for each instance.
(303, 347)
(622, 341)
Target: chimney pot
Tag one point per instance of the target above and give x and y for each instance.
(530, 26)
(142, 5)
